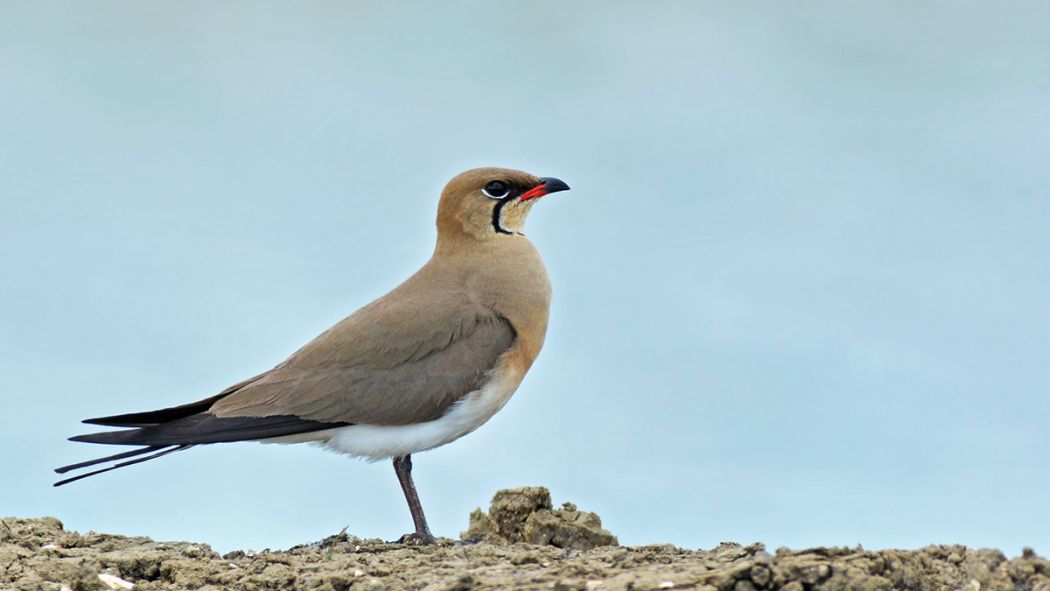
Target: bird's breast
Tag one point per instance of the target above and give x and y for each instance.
(514, 283)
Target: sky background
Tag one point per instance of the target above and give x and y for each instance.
(801, 281)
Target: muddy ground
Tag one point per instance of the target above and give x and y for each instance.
(520, 543)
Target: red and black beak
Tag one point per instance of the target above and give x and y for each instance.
(548, 186)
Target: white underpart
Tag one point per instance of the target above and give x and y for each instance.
(381, 442)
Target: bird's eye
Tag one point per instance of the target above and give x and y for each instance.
(496, 190)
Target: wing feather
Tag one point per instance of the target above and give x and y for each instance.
(427, 379)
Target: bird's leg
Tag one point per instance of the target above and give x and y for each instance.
(403, 467)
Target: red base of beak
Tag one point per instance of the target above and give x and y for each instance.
(549, 185)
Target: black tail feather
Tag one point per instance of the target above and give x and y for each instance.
(163, 452)
(182, 433)
(114, 457)
(208, 428)
(121, 437)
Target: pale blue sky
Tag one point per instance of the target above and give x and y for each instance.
(801, 280)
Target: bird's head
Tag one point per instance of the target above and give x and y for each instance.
(490, 203)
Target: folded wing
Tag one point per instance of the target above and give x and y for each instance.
(391, 363)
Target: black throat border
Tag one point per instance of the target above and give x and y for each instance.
(497, 211)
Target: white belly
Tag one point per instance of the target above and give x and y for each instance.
(381, 442)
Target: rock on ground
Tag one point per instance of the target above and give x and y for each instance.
(38, 554)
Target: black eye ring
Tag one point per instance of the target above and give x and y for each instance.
(496, 190)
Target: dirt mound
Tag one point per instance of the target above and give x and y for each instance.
(38, 554)
(525, 515)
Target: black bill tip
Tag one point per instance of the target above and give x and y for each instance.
(553, 185)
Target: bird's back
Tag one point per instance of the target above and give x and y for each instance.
(407, 356)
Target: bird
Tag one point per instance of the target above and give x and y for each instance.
(422, 366)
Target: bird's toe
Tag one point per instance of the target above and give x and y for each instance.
(417, 539)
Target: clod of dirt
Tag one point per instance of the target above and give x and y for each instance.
(525, 515)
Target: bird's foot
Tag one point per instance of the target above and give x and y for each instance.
(417, 539)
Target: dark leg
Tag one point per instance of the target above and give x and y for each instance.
(403, 467)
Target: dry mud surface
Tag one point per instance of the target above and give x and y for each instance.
(520, 543)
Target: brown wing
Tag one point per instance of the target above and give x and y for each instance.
(397, 361)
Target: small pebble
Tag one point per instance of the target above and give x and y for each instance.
(114, 582)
